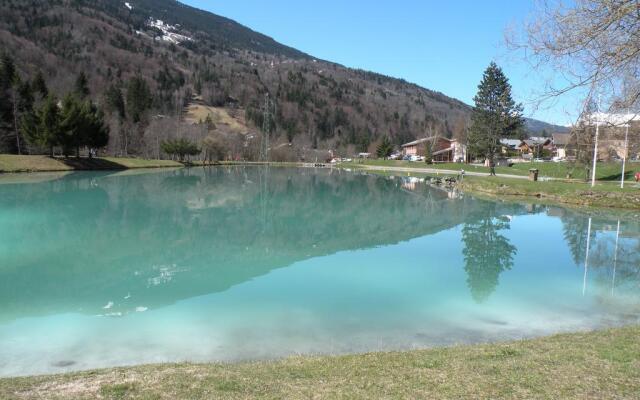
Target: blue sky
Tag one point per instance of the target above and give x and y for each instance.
(441, 45)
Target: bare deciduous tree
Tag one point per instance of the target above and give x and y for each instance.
(593, 44)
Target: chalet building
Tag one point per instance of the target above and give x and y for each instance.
(442, 149)
(534, 145)
(611, 142)
(510, 145)
(528, 147)
(563, 145)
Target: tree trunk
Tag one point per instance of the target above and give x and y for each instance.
(15, 120)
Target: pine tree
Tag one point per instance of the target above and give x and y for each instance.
(114, 102)
(495, 115)
(82, 125)
(139, 98)
(72, 125)
(81, 86)
(180, 148)
(428, 152)
(42, 128)
(7, 120)
(385, 148)
(97, 131)
(39, 85)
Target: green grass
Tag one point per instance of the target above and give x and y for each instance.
(604, 194)
(14, 163)
(595, 365)
(605, 171)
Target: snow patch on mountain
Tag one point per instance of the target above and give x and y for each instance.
(128, 6)
(169, 32)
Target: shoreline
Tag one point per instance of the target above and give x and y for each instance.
(607, 361)
(606, 195)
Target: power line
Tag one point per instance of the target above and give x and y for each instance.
(267, 122)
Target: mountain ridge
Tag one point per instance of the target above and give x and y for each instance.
(320, 104)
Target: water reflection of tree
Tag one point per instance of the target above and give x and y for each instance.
(575, 233)
(487, 252)
(613, 258)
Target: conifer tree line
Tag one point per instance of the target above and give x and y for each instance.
(34, 120)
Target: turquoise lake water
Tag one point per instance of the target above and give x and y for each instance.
(227, 264)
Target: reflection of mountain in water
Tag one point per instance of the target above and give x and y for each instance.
(162, 237)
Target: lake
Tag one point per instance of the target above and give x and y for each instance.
(105, 269)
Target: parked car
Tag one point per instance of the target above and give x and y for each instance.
(395, 156)
(416, 158)
(407, 158)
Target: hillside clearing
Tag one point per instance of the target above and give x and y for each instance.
(221, 117)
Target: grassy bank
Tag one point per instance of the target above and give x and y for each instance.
(606, 194)
(13, 163)
(596, 365)
(602, 195)
(610, 171)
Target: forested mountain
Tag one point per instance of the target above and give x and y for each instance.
(159, 68)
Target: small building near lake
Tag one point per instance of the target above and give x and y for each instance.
(442, 149)
(562, 143)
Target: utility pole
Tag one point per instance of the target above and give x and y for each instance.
(625, 153)
(595, 150)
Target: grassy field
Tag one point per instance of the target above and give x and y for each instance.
(605, 171)
(596, 365)
(13, 163)
(604, 195)
(607, 194)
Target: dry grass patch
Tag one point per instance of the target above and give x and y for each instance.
(220, 116)
(13, 163)
(597, 365)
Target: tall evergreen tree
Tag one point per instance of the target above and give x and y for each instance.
(82, 125)
(385, 148)
(72, 125)
(428, 152)
(114, 102)
(81, 88)
(39, 85)
(97, 131)
(7, 121)
(43, 127)
(139, 98)
(495, 115)
(22, 102)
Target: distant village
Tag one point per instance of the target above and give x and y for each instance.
(616, 141)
